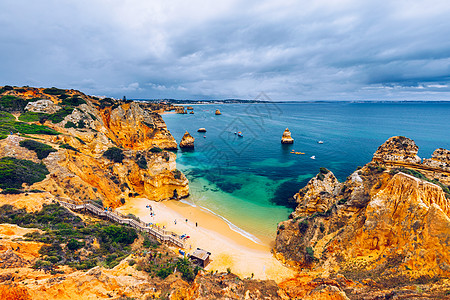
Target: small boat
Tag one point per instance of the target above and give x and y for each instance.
(204, 136)
(235, 132)
(240, 134)
(313, 157)
(320, 142)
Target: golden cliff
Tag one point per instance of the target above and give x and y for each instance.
(88, 127)
(387, 226)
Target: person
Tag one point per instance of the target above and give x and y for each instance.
(186, 220)
(175, 221)
(196, 224)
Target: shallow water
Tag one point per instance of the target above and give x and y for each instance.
(248, 180)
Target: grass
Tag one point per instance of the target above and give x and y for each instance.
(6, 117)
(14, 172)
(73, 101)
(42, 150)
(7, 128)
(54, 91)
(419, 175)
(30, 116)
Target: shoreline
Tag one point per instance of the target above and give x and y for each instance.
(229, 248)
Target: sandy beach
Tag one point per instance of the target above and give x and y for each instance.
(229, 249)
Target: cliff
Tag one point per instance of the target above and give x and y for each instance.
(85, 130)
(387, 225)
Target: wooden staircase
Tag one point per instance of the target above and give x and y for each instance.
(160, 234)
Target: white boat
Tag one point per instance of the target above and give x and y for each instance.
(320, 142)
(313, 157)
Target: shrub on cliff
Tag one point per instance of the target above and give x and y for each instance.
(14, 172)
(73, 101)
(141, 161)
(42, 150)
(54, 91)
(60, 114)
(120, 234)
(115, 154)
(12, 103)
(156, 150)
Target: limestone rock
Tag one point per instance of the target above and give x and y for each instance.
(187, 141)
(398, 149)
(218, 112)
(42, 106)
(286, 138)
(381, 225)
(318, 194)
(439, 159)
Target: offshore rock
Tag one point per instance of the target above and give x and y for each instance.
(218, 112)
(187, 141)
(286, 138)
(439, 159)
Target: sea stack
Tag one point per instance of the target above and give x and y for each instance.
(201, 130)
(218, 112)
(187, 141)
(286, 138)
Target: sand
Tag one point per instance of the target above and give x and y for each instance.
(229, 249)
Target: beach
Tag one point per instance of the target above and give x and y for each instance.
(229, 248)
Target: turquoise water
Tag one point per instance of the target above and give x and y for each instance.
(249, 180)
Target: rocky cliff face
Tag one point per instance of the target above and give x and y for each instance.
(387, 223)
(89, 127)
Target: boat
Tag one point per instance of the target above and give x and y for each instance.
(204, 136)
(320, 142)
(313, 157)
(240, 134)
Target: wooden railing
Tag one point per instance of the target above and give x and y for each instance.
(159, 233)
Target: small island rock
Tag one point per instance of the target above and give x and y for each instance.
(187, 141)
(201, 130)
(218, 112)
(286, 138)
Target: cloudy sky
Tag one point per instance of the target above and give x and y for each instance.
(192, 49)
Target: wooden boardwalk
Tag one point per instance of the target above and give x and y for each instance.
(160, 234)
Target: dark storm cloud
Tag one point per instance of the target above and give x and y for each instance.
(294, 50)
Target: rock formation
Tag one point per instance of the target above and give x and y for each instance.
(201, 130)
(187, 141)
(286, 138)
(79, 169)
(218, 112)
(387, 223)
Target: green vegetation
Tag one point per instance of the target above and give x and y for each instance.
(6, 117)
(141, 161)
(6, 88)
(8, 125)
(70, 124)
(62, 227)
(342, 201)
(156, 150)
(12, 103)
(42, 150)
(176, 174)
(115, 154)
(30, 116)
(60, 114)
(54, 91)
(67, 146)
(14, 172)
(322, 172)
(303, 226)
(73, 101)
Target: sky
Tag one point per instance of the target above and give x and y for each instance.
(287, 50)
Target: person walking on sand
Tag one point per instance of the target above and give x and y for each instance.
(186, 220)
(175, 221)
(196, 224)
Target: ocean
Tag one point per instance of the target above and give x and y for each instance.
(248, 180)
